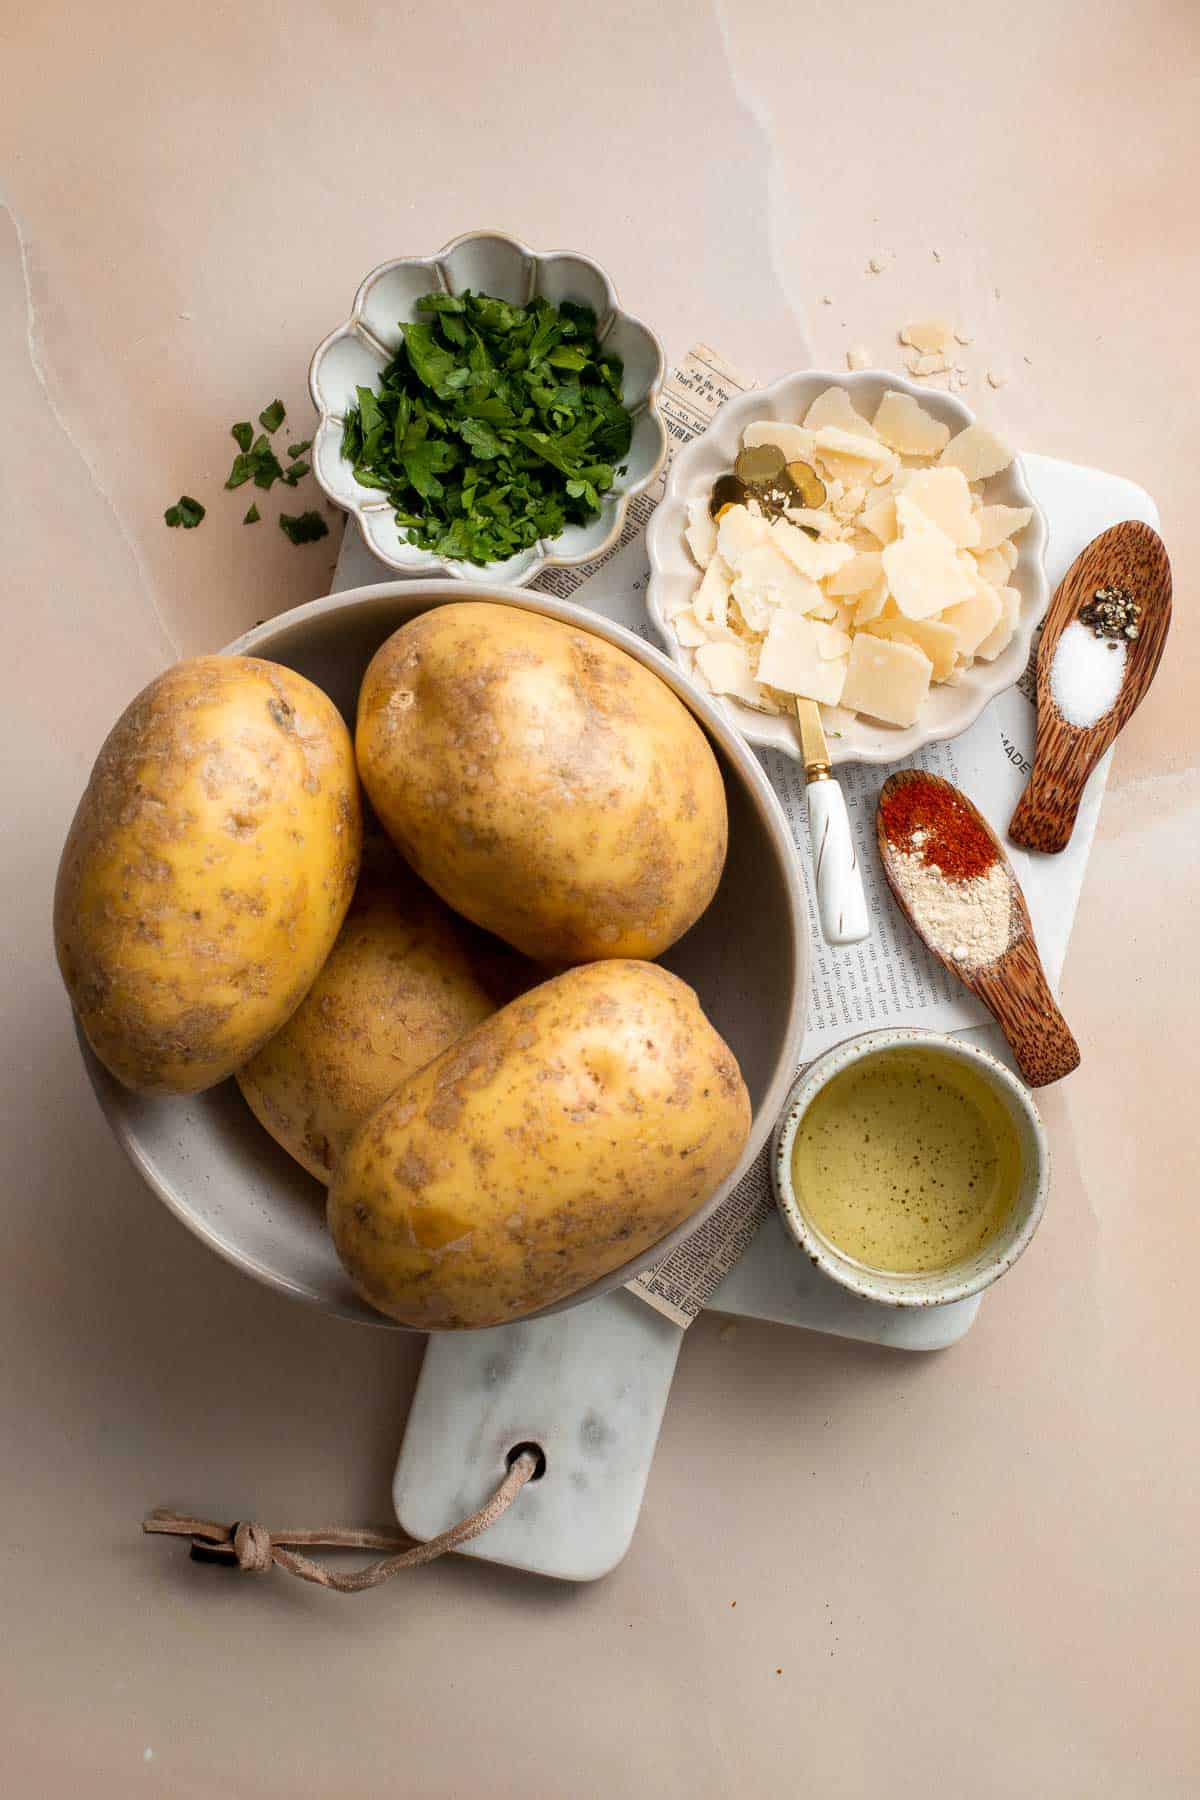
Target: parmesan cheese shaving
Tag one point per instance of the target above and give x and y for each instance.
(906, 427)
(978, 452)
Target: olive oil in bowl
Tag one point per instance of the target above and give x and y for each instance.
(907, 1161)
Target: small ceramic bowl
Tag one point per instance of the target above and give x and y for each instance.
(486, 262)
(962, 1279)
(674, 576)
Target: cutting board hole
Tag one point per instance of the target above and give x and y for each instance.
(534, 1450)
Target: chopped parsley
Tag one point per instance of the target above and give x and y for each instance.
(494, 425)
(259, 463)
(305, 528)
(186, 512)
(256, 461)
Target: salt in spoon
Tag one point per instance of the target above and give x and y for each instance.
(1129, 557)
(1013, 986)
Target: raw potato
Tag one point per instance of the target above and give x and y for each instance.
(207, 870)
(564, 1137)
(406, 979)
(542, 781)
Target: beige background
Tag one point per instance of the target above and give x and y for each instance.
(974, 1574)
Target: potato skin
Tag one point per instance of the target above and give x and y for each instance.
(542, 781)
(406, 979)
(567, 1134)
(207, 871)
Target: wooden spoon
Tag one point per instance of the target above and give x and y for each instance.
(1014, 987)
(1132, 556)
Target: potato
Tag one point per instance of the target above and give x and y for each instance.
(567, 1134)
(406, 979)
(207, 870)
(542, 781)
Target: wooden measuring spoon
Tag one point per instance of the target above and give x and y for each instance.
(1014, 987)
(1132, 556)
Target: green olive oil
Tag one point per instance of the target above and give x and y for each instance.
(907, 1162)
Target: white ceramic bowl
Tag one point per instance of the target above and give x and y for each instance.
(674, 576)
(961, 1279)
(207, 1157)
(486, 261)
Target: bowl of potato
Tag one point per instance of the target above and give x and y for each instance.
(438, 953)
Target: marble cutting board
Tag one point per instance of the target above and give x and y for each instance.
(590, 1386)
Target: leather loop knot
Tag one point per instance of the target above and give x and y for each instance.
(252, 1548)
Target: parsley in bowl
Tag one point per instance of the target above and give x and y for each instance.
(489, 409)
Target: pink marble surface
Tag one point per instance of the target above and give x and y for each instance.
(975, 1572)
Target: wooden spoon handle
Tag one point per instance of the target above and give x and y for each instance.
(1018, 996)
(1045, 815)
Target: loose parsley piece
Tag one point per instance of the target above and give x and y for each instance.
(272, 417)
(305, 528)
(259, 463)
(494, 425)
(296, 472)
(252, 515)
(186, 512)
(300, 448)
(242, 434)
(267, 466)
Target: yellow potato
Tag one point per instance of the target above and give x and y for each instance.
(567, 1134)
(542, 781)
(405, 980)
(207, 870)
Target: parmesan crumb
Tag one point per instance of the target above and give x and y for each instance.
(931, 336)
(930, 363)
(875, 266)
(995, 380)
(858, 357)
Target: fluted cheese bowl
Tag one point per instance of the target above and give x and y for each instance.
(674, 576)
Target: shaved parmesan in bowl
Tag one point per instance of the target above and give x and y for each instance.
(910, 581)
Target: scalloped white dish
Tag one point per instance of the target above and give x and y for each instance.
(674, 576)
(487, 262)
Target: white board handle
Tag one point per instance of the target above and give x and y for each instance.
(841, 903)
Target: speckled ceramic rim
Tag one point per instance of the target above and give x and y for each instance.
(961, 1280)
(672, 571)
(421, 566)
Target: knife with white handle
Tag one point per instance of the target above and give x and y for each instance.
(841, 902)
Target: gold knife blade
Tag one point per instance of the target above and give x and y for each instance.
(817, 766)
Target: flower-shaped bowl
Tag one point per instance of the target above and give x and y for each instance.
(486, 262)
(674, 576)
